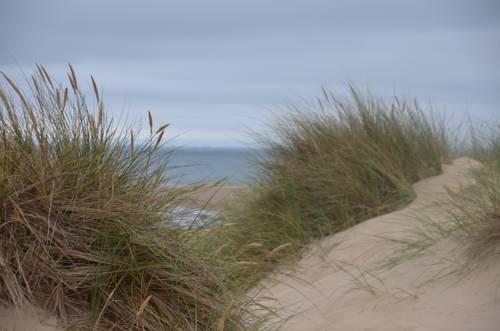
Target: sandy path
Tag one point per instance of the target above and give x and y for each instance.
(335, 287)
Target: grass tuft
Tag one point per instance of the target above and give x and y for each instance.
(472, 218)
(87, 220)
(326, 169)
(475, 210)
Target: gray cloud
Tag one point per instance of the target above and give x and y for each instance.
(213, 67)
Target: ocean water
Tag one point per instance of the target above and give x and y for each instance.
(190, 165)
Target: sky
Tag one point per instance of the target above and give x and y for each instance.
(215, 69)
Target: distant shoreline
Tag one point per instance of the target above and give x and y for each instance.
(195, 165)
(214, 198)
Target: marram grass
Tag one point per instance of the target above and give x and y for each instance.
(87, 223)
(475, 210)
(328, 167)
(472, 219)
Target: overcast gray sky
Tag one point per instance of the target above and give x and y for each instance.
(214, 68)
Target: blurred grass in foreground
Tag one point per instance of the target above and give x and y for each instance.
(330, 167)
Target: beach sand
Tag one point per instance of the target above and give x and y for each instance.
(27, 319)
(336, 286)
(214, 198)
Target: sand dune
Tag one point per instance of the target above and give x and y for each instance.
(336, 286)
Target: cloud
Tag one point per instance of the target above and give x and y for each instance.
(211, 67)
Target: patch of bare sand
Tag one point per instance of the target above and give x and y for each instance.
(336, 287)
(26, 320)
(214, 198)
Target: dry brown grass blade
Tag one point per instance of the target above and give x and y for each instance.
(106, 303)
(218, 250)
(162, 128)
(17, 90)
(46, 76)
(277, 249)
(143, 306)
(72, 78)
(158, 141)
(132, 146)
(222, 321)
(65, 98)
(150, 119)
(96, 90)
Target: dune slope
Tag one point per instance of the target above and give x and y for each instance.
(338, 286)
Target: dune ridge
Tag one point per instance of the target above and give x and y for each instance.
(336, 285)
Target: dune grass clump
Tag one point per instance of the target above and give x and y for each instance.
(87, 224)
(327, 168)
(475, 211)
(472, 218)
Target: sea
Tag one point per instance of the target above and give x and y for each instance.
(188, 165)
